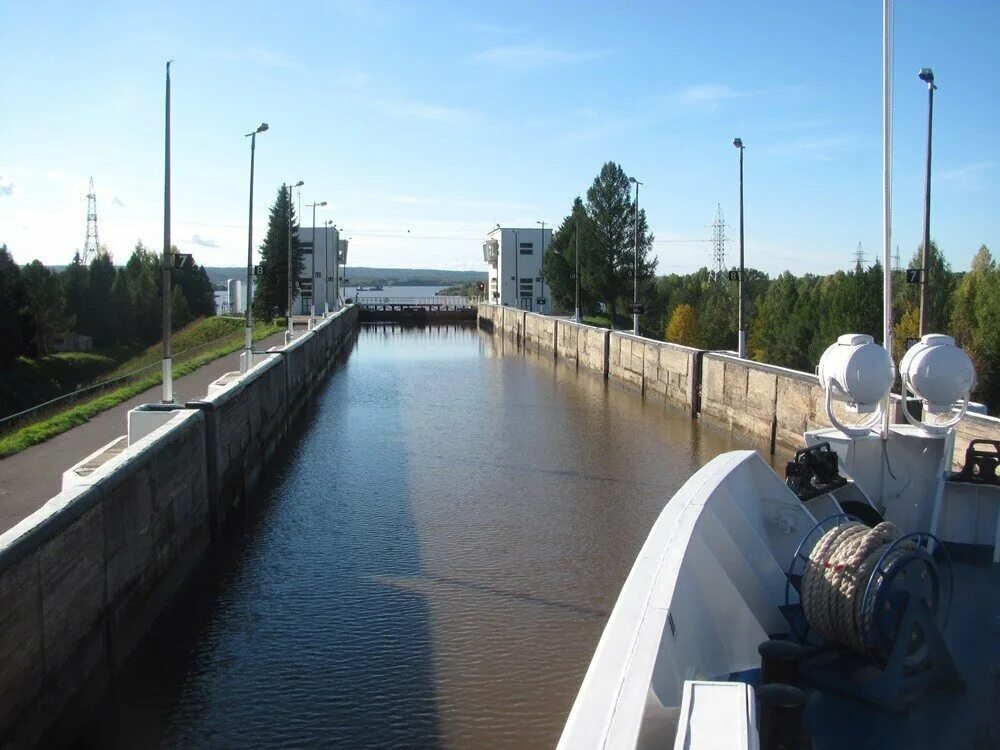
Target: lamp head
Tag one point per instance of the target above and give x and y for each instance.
(300, 183)
(738, 142)
(323, 203)
(262, 128)
(926, 75)
(632, 179)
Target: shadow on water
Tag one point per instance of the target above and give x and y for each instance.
(287, 634)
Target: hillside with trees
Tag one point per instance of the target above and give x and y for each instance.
(116, 306)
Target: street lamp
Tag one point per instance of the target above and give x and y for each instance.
(635, 268)
(326, 266)
(248, 348)
(541, 273)
(741, 324)
(291, 283)
(927, 75)
(168, 363)
(577, 275)
(312, 276)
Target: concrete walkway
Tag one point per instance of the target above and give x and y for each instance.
(29, 478)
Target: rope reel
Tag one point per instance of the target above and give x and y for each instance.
(857, 582)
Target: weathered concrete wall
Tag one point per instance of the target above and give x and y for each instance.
(658, 369)
(83, 577)
(773, 405)
(540, 332)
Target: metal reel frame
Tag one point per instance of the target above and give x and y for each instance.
(877, 597)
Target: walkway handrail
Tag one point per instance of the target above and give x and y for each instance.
(104, 383)
(444, 300)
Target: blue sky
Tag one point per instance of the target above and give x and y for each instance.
(425, 124)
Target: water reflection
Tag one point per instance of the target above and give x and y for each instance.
(433, 565)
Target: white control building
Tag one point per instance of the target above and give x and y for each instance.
(515, 274)
(322, 254)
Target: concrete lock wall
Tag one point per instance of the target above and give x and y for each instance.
(772, 405)
(83, 577)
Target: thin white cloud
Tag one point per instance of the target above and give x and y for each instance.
(411, 110)
(197, 239)
(424, 200)
(116, 201)
(533, 56)
(708, 97)
(268, 58)
(818, 147)
(967, 176)
(7, 187)
(490, 28)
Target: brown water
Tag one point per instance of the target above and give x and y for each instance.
(432, 565)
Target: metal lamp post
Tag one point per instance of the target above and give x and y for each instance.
(635, 264)
(168, 368)
(291, 282)
(577, 275)
(312, 275)
(328, 224)
(741, 322)
(541, 273)
(248, 347)
(927, 75)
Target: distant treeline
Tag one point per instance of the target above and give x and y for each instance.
(792, 319)
(115, 306)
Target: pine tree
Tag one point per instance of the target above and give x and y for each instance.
(607, 264)
(101, 322)
(180, 313)
(75, 280)
(11, 293)
(271, 290)
(44, 296)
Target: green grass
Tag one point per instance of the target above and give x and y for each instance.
(196, 333)
(65, 420)
(30, 381)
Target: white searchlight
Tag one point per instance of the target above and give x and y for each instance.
(860, 372)
(942, 376)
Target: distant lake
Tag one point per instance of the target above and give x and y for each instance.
(395, 291)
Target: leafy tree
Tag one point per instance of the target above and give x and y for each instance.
(784, 323)
(683, 326)
(75, 280)
(271, 290)
(907, 327)
(142, 274)
(44, 297)
(11, 302)
(100, 321)
(607, 264)
(717, 316)
(940, 286)
(197, 288)
(180, 313)
(560, 259)
(122, 306)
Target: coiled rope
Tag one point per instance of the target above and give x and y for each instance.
(836, 578)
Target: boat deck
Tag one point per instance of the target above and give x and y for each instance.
(966, 718)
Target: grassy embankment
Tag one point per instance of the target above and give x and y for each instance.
(227, 333)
